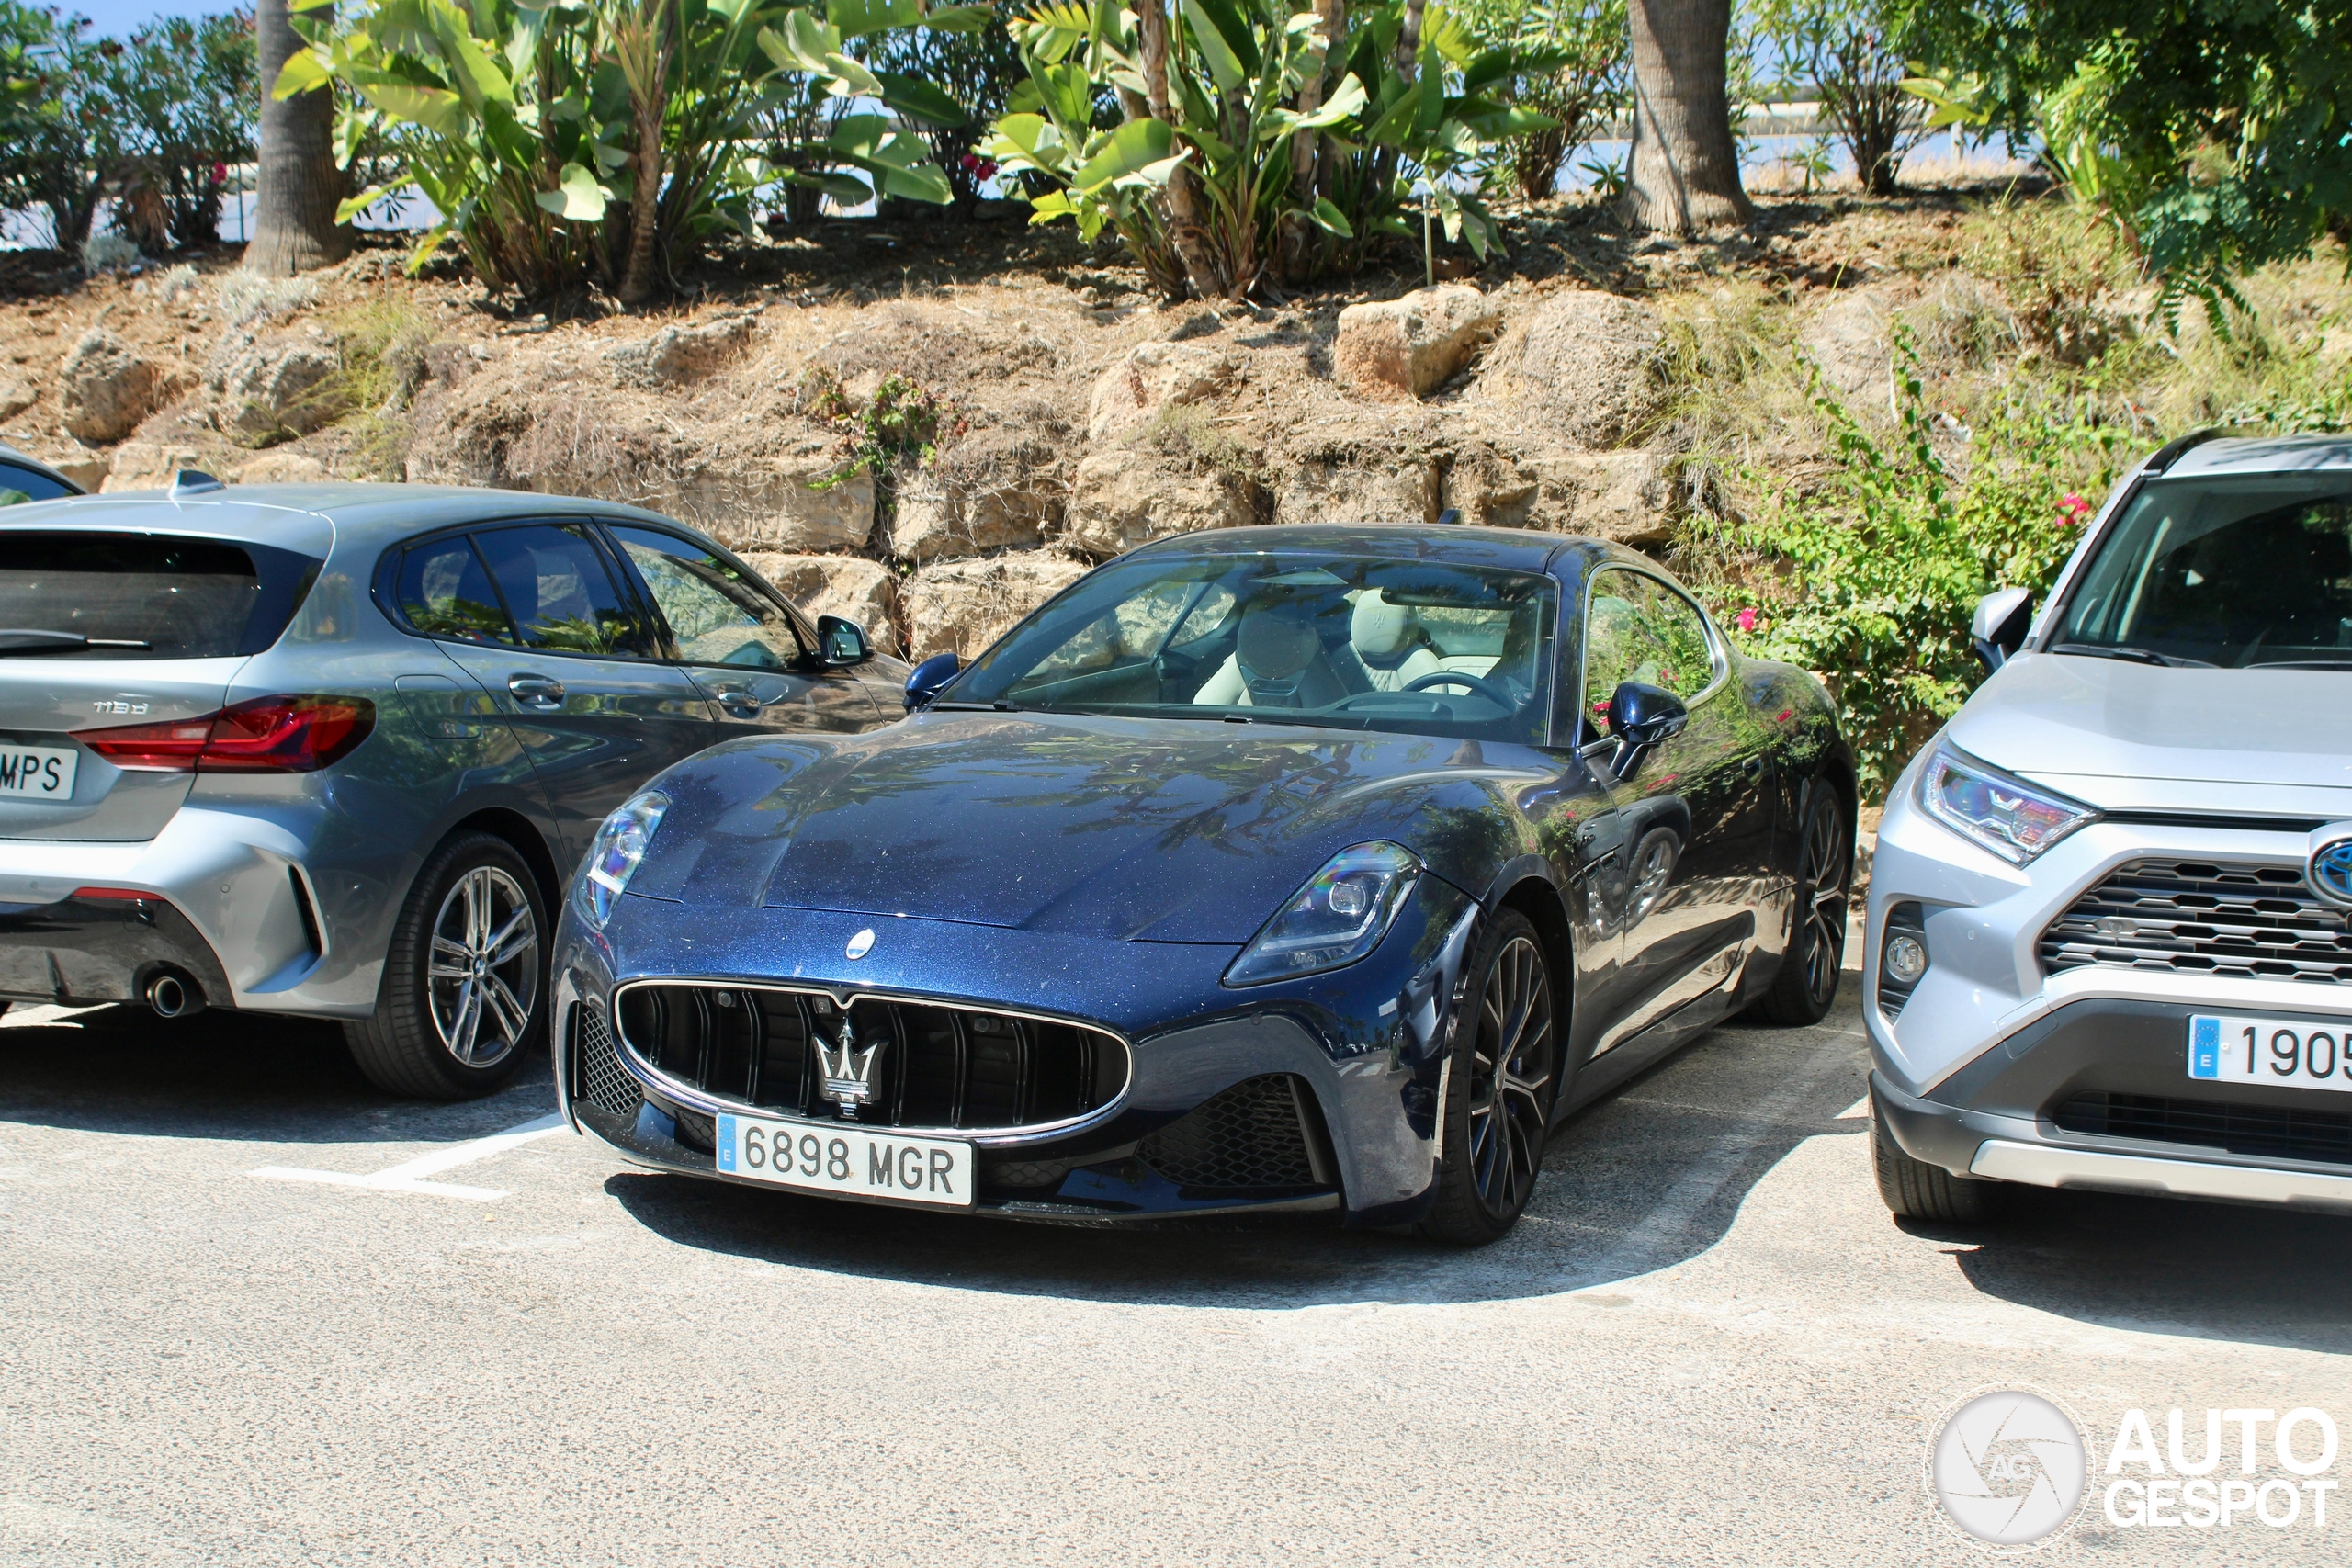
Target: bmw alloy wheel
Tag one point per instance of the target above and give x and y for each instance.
(1821, 882)
(484, 974)
(1511, 1083)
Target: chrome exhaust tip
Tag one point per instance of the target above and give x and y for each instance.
(172, 995)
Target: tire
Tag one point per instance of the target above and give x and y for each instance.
(1807, 984)
(1507, 1017)
(1914, 1190)
(472, 893)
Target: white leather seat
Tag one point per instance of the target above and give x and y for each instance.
(1277, 661)
(1389, 640)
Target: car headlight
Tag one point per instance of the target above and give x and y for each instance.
(1338, 916)
(613, 858)
(2014, 819)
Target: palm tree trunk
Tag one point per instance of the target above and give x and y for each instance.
(1186, 230)
(299, 185)
(1684, 174)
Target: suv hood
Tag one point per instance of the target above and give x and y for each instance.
(2120, 735)
(1162, 830)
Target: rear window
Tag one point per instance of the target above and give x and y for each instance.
(151, 596)
(20, 484)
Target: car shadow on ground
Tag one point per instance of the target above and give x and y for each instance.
(234, 1076)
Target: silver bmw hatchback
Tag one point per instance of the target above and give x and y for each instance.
(336, 750)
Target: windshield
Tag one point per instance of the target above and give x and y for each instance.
(1355, 642)
(2241, 572)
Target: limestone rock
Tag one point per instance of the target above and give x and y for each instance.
(282, 468)
(106, 388)
(991, 490)
(779, 505)
(1852, 340)
(150, 465)
(90, 473)
(276, 384)
(1129, 496)
(1152, 377)
(963, 606)
(854, 588)
(1589, 360)
(1407, 348)
(15, 397)
(675, 356)
(1372, 467)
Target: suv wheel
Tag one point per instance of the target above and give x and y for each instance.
(1914, 1190)
(1807, 982)
(1499, 1091)
(463, 995)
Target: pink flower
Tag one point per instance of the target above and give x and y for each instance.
(2072, 510)
(1746, 619)
(220, 173)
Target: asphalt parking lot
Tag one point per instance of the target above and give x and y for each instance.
(1707, 1342)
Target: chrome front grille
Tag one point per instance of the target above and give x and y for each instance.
(598, 1078)
(908, 1064)
(2247, 921)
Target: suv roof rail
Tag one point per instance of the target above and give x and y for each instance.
(2169, 453)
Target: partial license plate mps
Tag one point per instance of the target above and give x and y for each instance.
(38, 773)
(816, 1157)
(2227, 1048)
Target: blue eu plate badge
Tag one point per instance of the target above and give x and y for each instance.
(2204, 1047)
(726, 1139)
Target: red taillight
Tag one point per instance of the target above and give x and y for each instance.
(268, 735)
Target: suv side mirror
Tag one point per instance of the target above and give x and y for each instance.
(2001, 622)
(926, 679)
(842, 642)
(1640, 716)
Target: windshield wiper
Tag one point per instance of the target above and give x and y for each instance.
(2299, 664)
(2127, 652)
(15, 641)
(980, 708)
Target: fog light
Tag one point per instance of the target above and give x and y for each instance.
(1906, 958)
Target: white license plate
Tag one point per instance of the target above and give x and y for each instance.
(818, 1156)
(38, 773)
(2231, 1049)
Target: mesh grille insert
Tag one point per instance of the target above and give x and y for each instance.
(2277, 1132)
(1250, 1136)
(2190, 917)
(599, 1079)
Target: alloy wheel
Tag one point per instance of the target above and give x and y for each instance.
(1512, 1069)
(1821, 882)
(483, 977)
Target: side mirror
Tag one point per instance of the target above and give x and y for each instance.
(842, 642)
(923, 683)
(2001, 622)
(1640, 716)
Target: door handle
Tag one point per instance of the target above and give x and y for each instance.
(737, 701)
(537, 691)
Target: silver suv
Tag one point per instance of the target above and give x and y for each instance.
(334, 750)
(2110, 919)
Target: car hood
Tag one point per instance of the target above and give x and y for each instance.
(2118, 734)
(1166, 830)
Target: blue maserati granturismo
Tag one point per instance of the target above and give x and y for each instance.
(1304, 868)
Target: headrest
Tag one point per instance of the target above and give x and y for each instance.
(1378, 628)
(1276, 641)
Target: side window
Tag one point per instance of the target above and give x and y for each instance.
(717, 615)
(18, 485)
(561, 592)
(1636, 629)
(444, 591)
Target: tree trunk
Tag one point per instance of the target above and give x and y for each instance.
(299, 185)
(1187, 228)
(645, 203)
(1684, 174)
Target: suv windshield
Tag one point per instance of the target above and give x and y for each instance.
(2246, 571)
(1355, 642)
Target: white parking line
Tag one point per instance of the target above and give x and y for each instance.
(409, 1175)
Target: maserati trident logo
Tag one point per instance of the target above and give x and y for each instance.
(845, 1075)
(2331, 871)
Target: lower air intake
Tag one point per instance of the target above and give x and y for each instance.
(1252, 1137)
(598, 1077)
(2278, 1132)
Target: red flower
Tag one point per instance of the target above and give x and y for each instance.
(220, 173)
(2072, 510)
(1746, 619)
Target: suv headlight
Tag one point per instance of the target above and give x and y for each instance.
(613, 858)
(1338, 916)
(2014, 819)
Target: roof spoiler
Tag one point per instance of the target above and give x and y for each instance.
(2169, 453)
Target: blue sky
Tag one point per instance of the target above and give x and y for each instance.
(118, 18)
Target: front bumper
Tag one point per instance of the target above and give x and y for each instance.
(1365, 1045)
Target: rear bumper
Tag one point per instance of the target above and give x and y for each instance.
(102, 950)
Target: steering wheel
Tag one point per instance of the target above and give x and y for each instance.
(1483, 687)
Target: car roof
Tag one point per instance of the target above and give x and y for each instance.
(1516, 549)
(13, 456)
(2262, 455)
(290, 516)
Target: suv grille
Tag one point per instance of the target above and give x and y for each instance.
(598, 1077)
(2321, 1137)
(933, 1065)
(1250, 1137)
(2248, 922)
